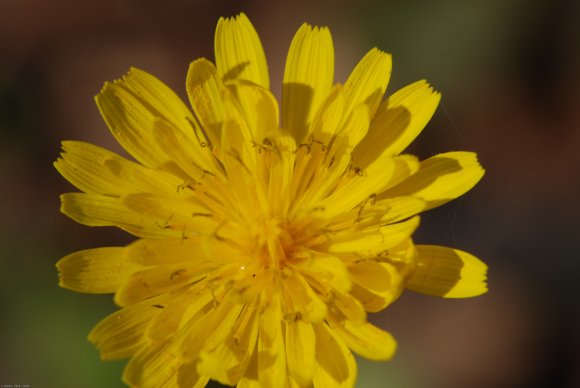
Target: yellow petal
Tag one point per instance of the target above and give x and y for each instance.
(181, 215)
(325, 269)
(238, 51)
(246, 382)
(250, 378)
(205, 90)
(365, 339)
(374, 214)
(372, 302)
(355, 126)
(368, 81)
(271, 357)
(278, 157)
(375, 240)
(362, 186)
(120, 334)
(97, 271)
(200, 249)
(359, 187)
(180, 307)
(143, 215)
(317, 175)
(350, 307)
(131, 120)
(307, 78)
(336, 366)
(159, 280)
(440, 179)
(227, 362)
(194, 157)
(301, 302)
(96, 170)
(158, 366)
(100, 210)
(162, 101)
(391, 210)
(300, 351)
(329, 116)
(405, 166)
(398, 121)
(210, 329)
(447, 272)
(376, 285)
(239, 158)
(258, 106)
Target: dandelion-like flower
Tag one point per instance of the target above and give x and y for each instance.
(262, 241)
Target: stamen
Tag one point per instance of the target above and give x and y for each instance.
(357, 170)
(187, 185)
(245, 318)
(238, 158)
(206, 172)
(165, 225)
(209, 215)
(305, 145)
(215, 232)
(198, 127)
(178, 273)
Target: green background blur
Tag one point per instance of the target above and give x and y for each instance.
(509, 72)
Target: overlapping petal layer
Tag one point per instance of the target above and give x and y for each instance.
(265, 238)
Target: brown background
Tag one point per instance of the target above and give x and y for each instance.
(509, 72)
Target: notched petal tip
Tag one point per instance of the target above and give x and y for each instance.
(200, 71)
(238, 18)
(308, 78)
(57, 163)
(382, 58)
(367, 340)
(95, 271)
(104, 89)
(398, 121)
(304, 28)
(447, 272)
(63, 203)
(238, 51)
(368, 80)
(242, 17)
(441, 178)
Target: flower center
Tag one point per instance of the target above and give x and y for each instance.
(273, 244)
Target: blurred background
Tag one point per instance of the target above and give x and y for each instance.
(509, 72)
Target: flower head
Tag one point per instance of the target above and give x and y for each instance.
(262, 241)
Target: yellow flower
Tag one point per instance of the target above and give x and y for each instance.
(262, 245)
